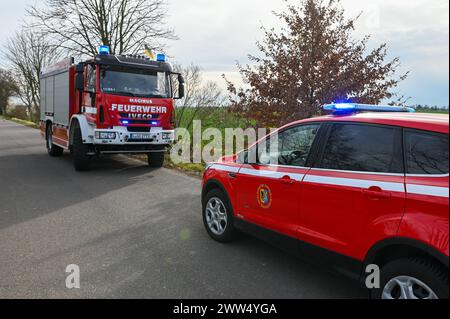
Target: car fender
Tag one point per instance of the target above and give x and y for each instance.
(220, 180)
(402, 243)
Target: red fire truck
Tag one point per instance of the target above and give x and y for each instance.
(112, 104)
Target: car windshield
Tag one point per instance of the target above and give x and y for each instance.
(139, 83)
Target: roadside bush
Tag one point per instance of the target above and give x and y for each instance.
(18, 112)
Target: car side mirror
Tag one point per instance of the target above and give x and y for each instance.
(242, 157)
(250, 156)
(264, 159)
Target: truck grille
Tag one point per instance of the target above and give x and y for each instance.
(132, 129)
(150, 117)
(140, 141)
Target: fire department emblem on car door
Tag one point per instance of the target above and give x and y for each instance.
(264, 196)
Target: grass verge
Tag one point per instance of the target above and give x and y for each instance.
(195, 170)
(19, 121)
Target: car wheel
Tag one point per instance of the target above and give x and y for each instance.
(52, 149)
(218, 217)
(412, 278)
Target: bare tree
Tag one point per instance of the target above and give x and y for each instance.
(193, 77)
(80, 26)
(28, 53)
(313, 60)
(8, 88)
(200, 96)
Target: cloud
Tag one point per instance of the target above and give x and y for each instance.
(216, 34)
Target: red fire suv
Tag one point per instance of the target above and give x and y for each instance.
(349, 190)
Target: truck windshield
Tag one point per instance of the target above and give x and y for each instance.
(135, 82)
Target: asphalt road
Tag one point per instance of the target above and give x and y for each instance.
(134, 232)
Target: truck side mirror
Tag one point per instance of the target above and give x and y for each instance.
(79, 82)
(79, 77)
(181, 87)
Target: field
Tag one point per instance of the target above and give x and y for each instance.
(210, 117)
(433, 110)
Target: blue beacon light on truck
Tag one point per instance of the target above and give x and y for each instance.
(161, 57)
(351, 108)
(104, 50)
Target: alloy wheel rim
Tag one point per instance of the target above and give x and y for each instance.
(406, 287)
(216, 216)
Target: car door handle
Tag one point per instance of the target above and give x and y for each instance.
(287, 180)
(376, 193)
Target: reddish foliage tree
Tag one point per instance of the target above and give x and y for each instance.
(312, 61)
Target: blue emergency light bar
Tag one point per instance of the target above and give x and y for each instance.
(104, 50)
(350, 108)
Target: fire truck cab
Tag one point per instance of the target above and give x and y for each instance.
(111, 104)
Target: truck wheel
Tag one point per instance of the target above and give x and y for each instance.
(81, 159)
(156, 159)
(412, 278)
(52, 149)
(218, 217)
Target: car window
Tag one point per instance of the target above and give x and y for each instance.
(364, 148)
(291, 148)
(91, 78)
(426, 153)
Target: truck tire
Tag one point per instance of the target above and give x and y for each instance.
(412, 278)
(53, 150)
(218, 217)
(156, 159)
(81, 159)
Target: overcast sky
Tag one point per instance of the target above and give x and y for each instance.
(216, 34)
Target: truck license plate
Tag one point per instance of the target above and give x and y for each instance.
(141, 136)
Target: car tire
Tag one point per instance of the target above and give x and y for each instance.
(421, 277)
(156, 159)
(218, 217)
(53, 150)
(81, 159)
